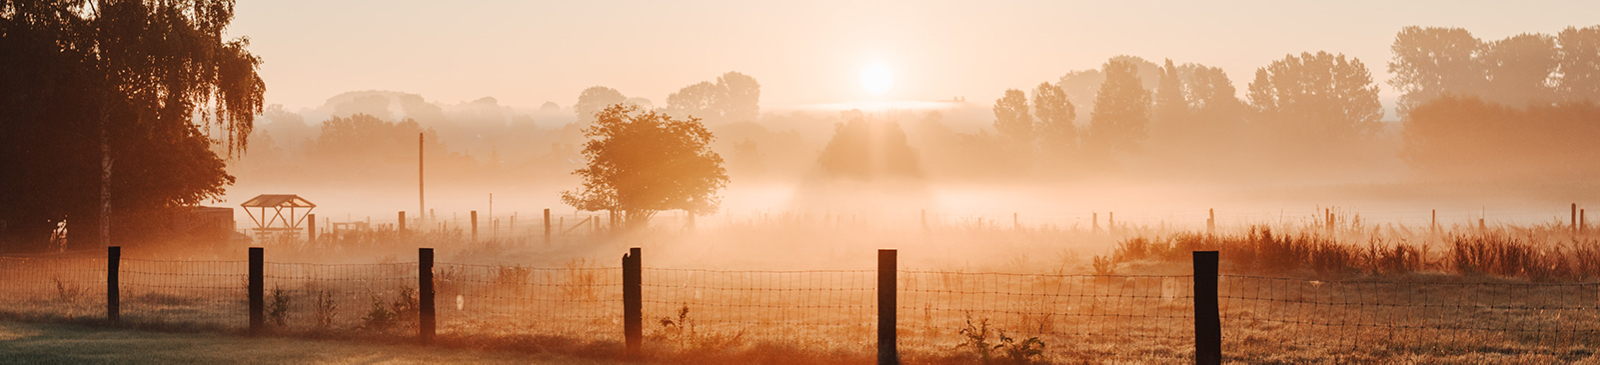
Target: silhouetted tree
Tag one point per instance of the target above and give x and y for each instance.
(1121, 112)
(643, 162)
(595, 99)
(868, 150)
(741, 101)
(1316, 100)
(1213, 102)
(1057, 135)
(1170, 105)
(100, 103)
(1580, 63)
(1011, 118)
(699, 100)
(1082, 87)
(1519, 69)
(1467, 136)
(735, 97)
(1430, 62)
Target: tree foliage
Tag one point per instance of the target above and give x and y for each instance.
(1121, 112)
(1468, 136)
(1011, 118)
(595, 99)
(735, 97)
(1321, 98)
(105, 95)
(643, 162)
(1054, 110)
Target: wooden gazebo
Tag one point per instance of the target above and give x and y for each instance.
(275, 222)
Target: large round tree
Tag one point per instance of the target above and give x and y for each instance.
(644, 162)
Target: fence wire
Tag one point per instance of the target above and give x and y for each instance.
(828, 308)
(1267, 314)
(1141, 316)
(53, 287)
(513, 300)
(339, 297)
(1078, 316)
(185, 293)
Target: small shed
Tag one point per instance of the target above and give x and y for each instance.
(267, 211)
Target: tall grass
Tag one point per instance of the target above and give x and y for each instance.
(1260, 251)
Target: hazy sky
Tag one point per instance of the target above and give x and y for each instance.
(806, 52)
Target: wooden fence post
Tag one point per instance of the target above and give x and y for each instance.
(888, 279)
(1211, 221)
(113, 290)
(632, 301)
(425, 309)
(547, 226)
(1207, 321)
(1574, 220)
(474, 226)
(311, 227)
(258, 301)
(402, 225)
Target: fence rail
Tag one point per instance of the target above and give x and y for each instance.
(1082, 316)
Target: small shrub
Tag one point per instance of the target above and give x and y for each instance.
(1103, 266)
(680, 329)
(278, 310)
(67, 293)
(579, 280)
(327, 309)
(384, 315)
(1007, 350)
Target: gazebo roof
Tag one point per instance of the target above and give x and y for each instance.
(278, 201)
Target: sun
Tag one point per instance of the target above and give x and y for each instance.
(877, 79)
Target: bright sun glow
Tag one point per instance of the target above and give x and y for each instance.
(876, 79)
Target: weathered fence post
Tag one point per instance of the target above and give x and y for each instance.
(402, 224)
(311, 228)
(1574, 220)
(1211, 221)
(546, 226)
(425, 308)
(632, 301)
(474, 226)
(258, 301)
(1583, 221)
(1207, 321)
(113, 291)
(888, 278)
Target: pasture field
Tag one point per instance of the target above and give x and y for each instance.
(1022, 295)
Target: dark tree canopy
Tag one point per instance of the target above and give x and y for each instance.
(105, 94)
(1170, 105)
(1580, 63)
(643, 162)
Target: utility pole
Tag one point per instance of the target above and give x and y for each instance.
(422, 204)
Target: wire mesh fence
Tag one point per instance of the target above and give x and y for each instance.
(1150, 316)
(185, 293)
(1444, 315)
(335, 297)
(53, 287)
(579, 300)
(824, 308)
(1079, 316)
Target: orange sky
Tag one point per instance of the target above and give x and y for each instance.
(809, 52)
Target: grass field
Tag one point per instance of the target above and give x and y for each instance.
(31, 343)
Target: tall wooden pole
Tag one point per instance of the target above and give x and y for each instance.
(422, 204)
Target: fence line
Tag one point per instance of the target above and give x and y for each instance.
(1137, 316)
